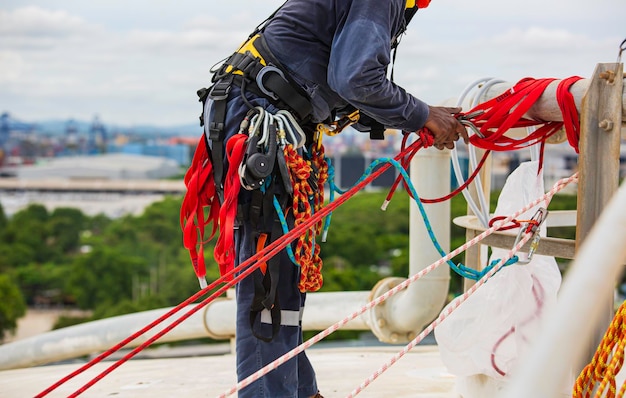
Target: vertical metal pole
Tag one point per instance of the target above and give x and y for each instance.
(598, 163)
(412, 309)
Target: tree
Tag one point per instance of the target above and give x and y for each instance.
(363, 234)
(29, 227)
(15, 255)
(65, 226)
(43, 284)
(3, 219)
(104, 276)
(12, 306)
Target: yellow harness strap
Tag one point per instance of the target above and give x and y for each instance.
(247, 46)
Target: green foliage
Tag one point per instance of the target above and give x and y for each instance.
(36, 236)
(563, 202)
(339, 276)
(15, 254)
(34, 213)
(364, 235)
(30, 234)
(135, 263)
(65, 226)
(65, 321)
(104, 277)
(43, 284)
(3, 219)
(161, 221)
(127, 306)
(12, 306)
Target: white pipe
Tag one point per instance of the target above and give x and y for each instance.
(587, 288)
(217, 320)
(405, 314)
(92, 337)
(546, 107)
(321, 311)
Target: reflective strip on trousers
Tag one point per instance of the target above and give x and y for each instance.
(287, 317)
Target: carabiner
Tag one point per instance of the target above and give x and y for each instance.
(260, 84)
(281, 135)
(290, 125)
(532, 226)
(471, 115)
(472, 127)
(466, 120)
(255, 121)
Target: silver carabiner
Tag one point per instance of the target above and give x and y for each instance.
(466, 121)
(532, 227)
(256, 121)
(292, 127)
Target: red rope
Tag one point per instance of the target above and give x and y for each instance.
(505, 112)
(198, 180)
(512, 224)
(244, 269)
(307, 249)
(426, 139)
(462, 186)
(406, 161)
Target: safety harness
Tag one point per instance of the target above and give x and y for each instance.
(266, 158)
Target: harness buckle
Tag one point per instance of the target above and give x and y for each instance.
(219, 93)
(220, 90)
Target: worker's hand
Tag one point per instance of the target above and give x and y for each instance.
(445, 127)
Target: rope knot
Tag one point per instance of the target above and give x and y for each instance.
(426, 136)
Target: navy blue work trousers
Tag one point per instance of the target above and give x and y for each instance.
(295, 378)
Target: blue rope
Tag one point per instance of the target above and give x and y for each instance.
(333, 189)
(460, 269)
(281, 218)
(285, 228)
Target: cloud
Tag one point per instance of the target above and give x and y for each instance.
(142, 61)
(34, 27)
(77, 68)
(435, 70)
(11, 65)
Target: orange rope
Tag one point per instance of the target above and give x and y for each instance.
(302, 173)
(606, 362)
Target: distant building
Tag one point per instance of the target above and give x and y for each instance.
(180, 153)
(115, 166)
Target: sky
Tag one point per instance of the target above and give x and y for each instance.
(140, 62)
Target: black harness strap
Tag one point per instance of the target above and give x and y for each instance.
(266, 284)
(219, 94)
(287, 90)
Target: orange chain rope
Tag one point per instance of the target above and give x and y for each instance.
(302, 173)
(606, 362)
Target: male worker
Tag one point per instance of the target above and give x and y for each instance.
(318, 59)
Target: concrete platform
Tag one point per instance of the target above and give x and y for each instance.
(418, 374)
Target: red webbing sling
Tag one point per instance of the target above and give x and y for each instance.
(507, 111)
(200, 194)
(224, 251)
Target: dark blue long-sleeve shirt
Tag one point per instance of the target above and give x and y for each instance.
(339, 50)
